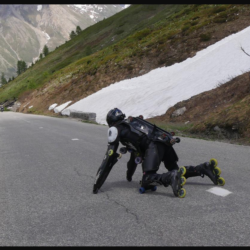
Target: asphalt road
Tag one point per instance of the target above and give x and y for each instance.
(47, 170)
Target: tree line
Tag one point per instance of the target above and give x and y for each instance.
(22, 66)
(76, 32)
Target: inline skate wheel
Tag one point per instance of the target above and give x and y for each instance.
(182, 193)
(183, 181)
(182, 170)
(142, 190)
(154, 188)
(214, 162)
(221, 181)
(217, 171)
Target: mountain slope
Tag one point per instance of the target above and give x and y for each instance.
(128, 44)
(222, 113)
(25, 29)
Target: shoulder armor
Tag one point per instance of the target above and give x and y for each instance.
(112, 134)
(141, 126)
(137, 126)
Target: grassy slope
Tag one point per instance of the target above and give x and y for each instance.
(139, 38)
(92, 39)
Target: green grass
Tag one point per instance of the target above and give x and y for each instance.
(131, 32)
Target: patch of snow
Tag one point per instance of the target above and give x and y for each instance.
(52, 106)
(39, 7)
(153, 93)
(61, 107)
(47, 35)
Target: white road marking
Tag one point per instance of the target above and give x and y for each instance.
(219, 191)
(75, 139)
(40, 127)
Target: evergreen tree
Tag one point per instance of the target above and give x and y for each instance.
(78, 30)
(72, 34)
(24, 66)
(21, 67)
(45, 50)
(3, 79)
(41, 56)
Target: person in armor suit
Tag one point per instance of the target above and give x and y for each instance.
(149, 145)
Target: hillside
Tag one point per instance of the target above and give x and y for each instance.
(131, 43)
(26, 28)
(221, 114)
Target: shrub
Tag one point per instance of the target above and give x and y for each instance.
(185, 27)
(121, 24)
(129, 67)
(218, 9)
(118, 32)
(234, 10)
(220, 19)
(223, 15)
(161, 61)
(205, 37)
(194, 23)
(142, 33)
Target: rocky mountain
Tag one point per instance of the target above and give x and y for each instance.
(25, 29)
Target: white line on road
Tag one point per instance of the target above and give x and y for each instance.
(219, 191)
(75, 139)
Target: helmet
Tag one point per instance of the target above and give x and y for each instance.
(114, 115)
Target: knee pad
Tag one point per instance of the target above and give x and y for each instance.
(151, 159)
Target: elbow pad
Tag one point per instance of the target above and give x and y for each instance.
(113, 135)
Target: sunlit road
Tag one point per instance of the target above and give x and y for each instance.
(47, 171)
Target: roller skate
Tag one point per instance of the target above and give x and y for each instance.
(178, 181)
(148, 184)
(174, 178)
(149, 187)
(211, 170)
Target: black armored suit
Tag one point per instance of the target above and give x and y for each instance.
(148, 142)
(148, 145)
